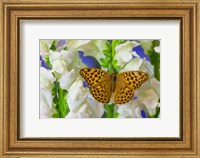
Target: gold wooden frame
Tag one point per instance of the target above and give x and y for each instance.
(184, 10)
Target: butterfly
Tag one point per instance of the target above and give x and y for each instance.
(102, 84)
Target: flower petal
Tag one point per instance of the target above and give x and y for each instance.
(45, 103)
(90, 61)
(43, 64)
(46, 78)
(149, 98)
(140, 51)
(124, 52)
(76, 43)
(97, 109)
(67, 78)
(77, 95)
(133, 65)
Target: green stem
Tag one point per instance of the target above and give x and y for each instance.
(157, 71)
(111, 68)
(113, 48)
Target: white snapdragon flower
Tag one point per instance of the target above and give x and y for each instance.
(149, 98)
(74, 44)
(156, 85)
(64, 60)
(149, 94)
(57, 62)
(61, 44)
(44, 47)
(46, 103)
(67, 79)
(147, 67)
(46, 78)
(133, 65)
(90, 109)
(146, 44)
(96, 108)
(82, 112)
(46, 84)
(77, 95)
(157, 49)
(132, 109)
(94, 48)
(125, 110)
(71, 58)
(124, 52)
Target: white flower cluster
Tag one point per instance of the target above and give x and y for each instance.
(65, 67)
(65, 70)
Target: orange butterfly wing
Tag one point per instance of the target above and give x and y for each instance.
(100, 83)
(126, 83)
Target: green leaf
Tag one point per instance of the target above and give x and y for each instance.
(122, 41)
(157, 71)
(115, 64)
(63, 105)
(47, 61)
(105, 61)
(65, 48)
(114, 44)
(106, 52)
(156, 113)
(56, 115)
(55, 100)
(156, 43)
(111, 69)
(53, 46)
(108, 46)
(116, 115)
(109, 110)
(54, 91)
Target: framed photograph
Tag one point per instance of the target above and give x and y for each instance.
(99, 79)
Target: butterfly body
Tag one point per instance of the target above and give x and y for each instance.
(102, 84)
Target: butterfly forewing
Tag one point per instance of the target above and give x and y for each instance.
(126, 83)
(132, 79)
(100, 83)
(94, 76)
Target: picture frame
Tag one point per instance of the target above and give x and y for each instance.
(14, 11)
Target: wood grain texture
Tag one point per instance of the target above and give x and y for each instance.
(15, 10)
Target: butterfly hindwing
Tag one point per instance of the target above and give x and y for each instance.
(123, 94)
(102, 92)
(126, 83)
(99, 82)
